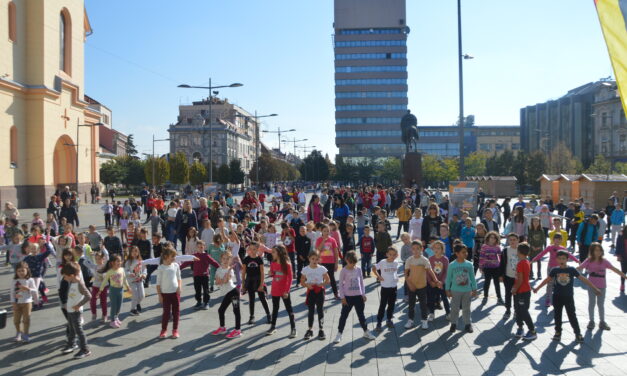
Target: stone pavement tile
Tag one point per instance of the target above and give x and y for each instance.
(443, 368)
(608, 369)
(390, 365)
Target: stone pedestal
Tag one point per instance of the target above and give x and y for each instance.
(412, 169)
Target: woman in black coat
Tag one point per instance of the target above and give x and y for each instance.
(69, 213)
(185, 218)
(431, 223)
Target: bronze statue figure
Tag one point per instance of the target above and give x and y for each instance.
(409, 132)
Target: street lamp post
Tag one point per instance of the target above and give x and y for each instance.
(279, 132)
(78, 150)
(294, 141)
(210, 88)
(153, 158)
(258, 139)
(461, 57)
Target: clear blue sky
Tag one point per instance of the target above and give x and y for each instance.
(525, 52)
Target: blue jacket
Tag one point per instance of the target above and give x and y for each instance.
(341, 213)
(468, 236)
(36, 263)
(618, 217)
(590, 235)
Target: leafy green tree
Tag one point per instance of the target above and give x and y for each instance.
(179, 168)
(133, 170)
(131, 149)
(450, 169)
(236, 173)
(111, 172)
(536, 166)
(519, 168)
(619, 168)
(391, 170)
(562, 161)
(224, 174)
(197, 173)
(600, 166)
(161, 169)
(432, 169)
(315, 167)
(475, 163)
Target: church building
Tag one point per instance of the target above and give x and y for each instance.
(48, 133)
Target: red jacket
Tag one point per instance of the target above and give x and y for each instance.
(201, 267)
(281, 282)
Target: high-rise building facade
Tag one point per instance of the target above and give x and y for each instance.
(568, 120)
(370, 45)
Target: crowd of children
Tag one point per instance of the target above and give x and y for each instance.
(230, 254)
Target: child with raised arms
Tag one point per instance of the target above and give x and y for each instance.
(201, 273)
(597, 266)
(115, 277)
(353, 294)
(552, 250)
(135, 275)
(314, 278)
(225, 278)
(562, 277)
(386, 272)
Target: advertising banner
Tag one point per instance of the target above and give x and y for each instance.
(463, 196)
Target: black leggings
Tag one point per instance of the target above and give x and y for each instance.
(388, 298)
(491, 274)
(232, 297)
(358, 303)
(288, 307)
(331, 269)
(568, 303)
(252, 287)
(623, 268)
(315, 302)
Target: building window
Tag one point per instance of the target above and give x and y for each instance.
(484, 147)
(12, 22)
(13, 146)
(370, 43)
(372, 81)
(373, 68)
(65, 42)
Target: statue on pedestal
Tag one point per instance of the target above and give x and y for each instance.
(409, 132)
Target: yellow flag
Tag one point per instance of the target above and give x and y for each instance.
(613, 18)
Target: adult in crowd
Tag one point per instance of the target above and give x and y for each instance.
(315, 211)
(69, 213)
(431, 223)
(185, 219)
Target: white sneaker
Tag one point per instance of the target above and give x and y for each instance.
(431, 317)
(338, 338)
(425, 324)
(409, 324)
(369, 336)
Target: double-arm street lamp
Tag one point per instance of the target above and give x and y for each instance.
(279, 132)
(210, 88)
(257, 138)
(77, 145)
(294, 141)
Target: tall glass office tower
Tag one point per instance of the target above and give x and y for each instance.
(370, 44)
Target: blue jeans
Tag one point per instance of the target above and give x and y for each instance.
(170, 232)
(366, 263)
(115, 297)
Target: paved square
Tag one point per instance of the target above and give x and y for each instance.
(134, 348)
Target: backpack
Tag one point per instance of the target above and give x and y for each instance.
(87, 274)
